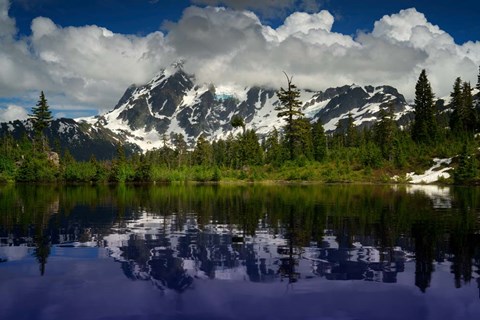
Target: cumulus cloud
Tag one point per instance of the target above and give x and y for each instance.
(12, 112)
(7, 24)
(231, 45)
(90, 67)
(92, 62)
(444, 59)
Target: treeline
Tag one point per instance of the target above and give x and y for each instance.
(300, 150)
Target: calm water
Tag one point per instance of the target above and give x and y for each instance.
(231, 252)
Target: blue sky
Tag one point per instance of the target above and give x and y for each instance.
(458, 18)
(85, 53)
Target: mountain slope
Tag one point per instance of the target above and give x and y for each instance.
(80, 138)
(173, 102)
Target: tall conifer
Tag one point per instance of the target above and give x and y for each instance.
(458, 116)
(289, 109)
(41, 115)
(41, 118)
(478, 79)
(424, 128)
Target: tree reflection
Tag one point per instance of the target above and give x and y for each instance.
(42, 248)
(174, 234)
(424, 254)
(287, 268)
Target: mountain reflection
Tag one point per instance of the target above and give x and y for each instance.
(174, 236)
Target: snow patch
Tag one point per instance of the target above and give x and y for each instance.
(432, 174)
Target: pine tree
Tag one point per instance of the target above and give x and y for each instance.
(237, 121)
(180, 148)
(467, 168)
(320, 147)
(458, 116)
(351, 138)
(41, 118)
(273, 150)
(251, 152)
(303, 145)
(384, 132)
(424, 128)
(203, 153)
(471, 118)
(478, 79)
(289, 109)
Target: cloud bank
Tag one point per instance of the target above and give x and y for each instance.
(89, 67)
(13, 112)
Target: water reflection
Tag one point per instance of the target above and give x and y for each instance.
(174, 236)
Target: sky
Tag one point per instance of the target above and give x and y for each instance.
(85, 53)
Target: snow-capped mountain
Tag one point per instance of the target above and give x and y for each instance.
(147, 115)
(80, 138)
(173, 102)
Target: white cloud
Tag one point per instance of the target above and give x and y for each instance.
(444, 60)
(235, 46)
(12, 112)
(89, 67)
(7, 24)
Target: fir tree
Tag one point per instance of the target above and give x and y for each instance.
(251, 152)
(471, 118)
(351, 138)
(289, 109)
(319, 140)
(467, 169)
(203, 153)
(180, 148)
(478, 79)
(384, 132)
(424, 128)
(273, 150)
(237, 121)
(459, 115)
(41, 118)
(303, 143)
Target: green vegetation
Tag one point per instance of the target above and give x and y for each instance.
(301, 151)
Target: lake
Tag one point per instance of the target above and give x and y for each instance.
(239, 252)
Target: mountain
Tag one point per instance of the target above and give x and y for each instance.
(147, 115)
(80, 138)
(173, 102)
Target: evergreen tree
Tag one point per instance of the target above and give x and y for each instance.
(467, 168)
(289, 109)
(180, 148)
(203, 153)
(339, 135)
(351, 138)
(384, 132)
(231, 152)
(41, 118)
(273, 149)
(471, 113)
(319, 140)
(220, 153)
(303, 145)
(458, 117)
(237, 121)
(424, 128)
(251, 152)
(478, 79)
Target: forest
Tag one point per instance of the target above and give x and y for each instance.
(300, 151)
